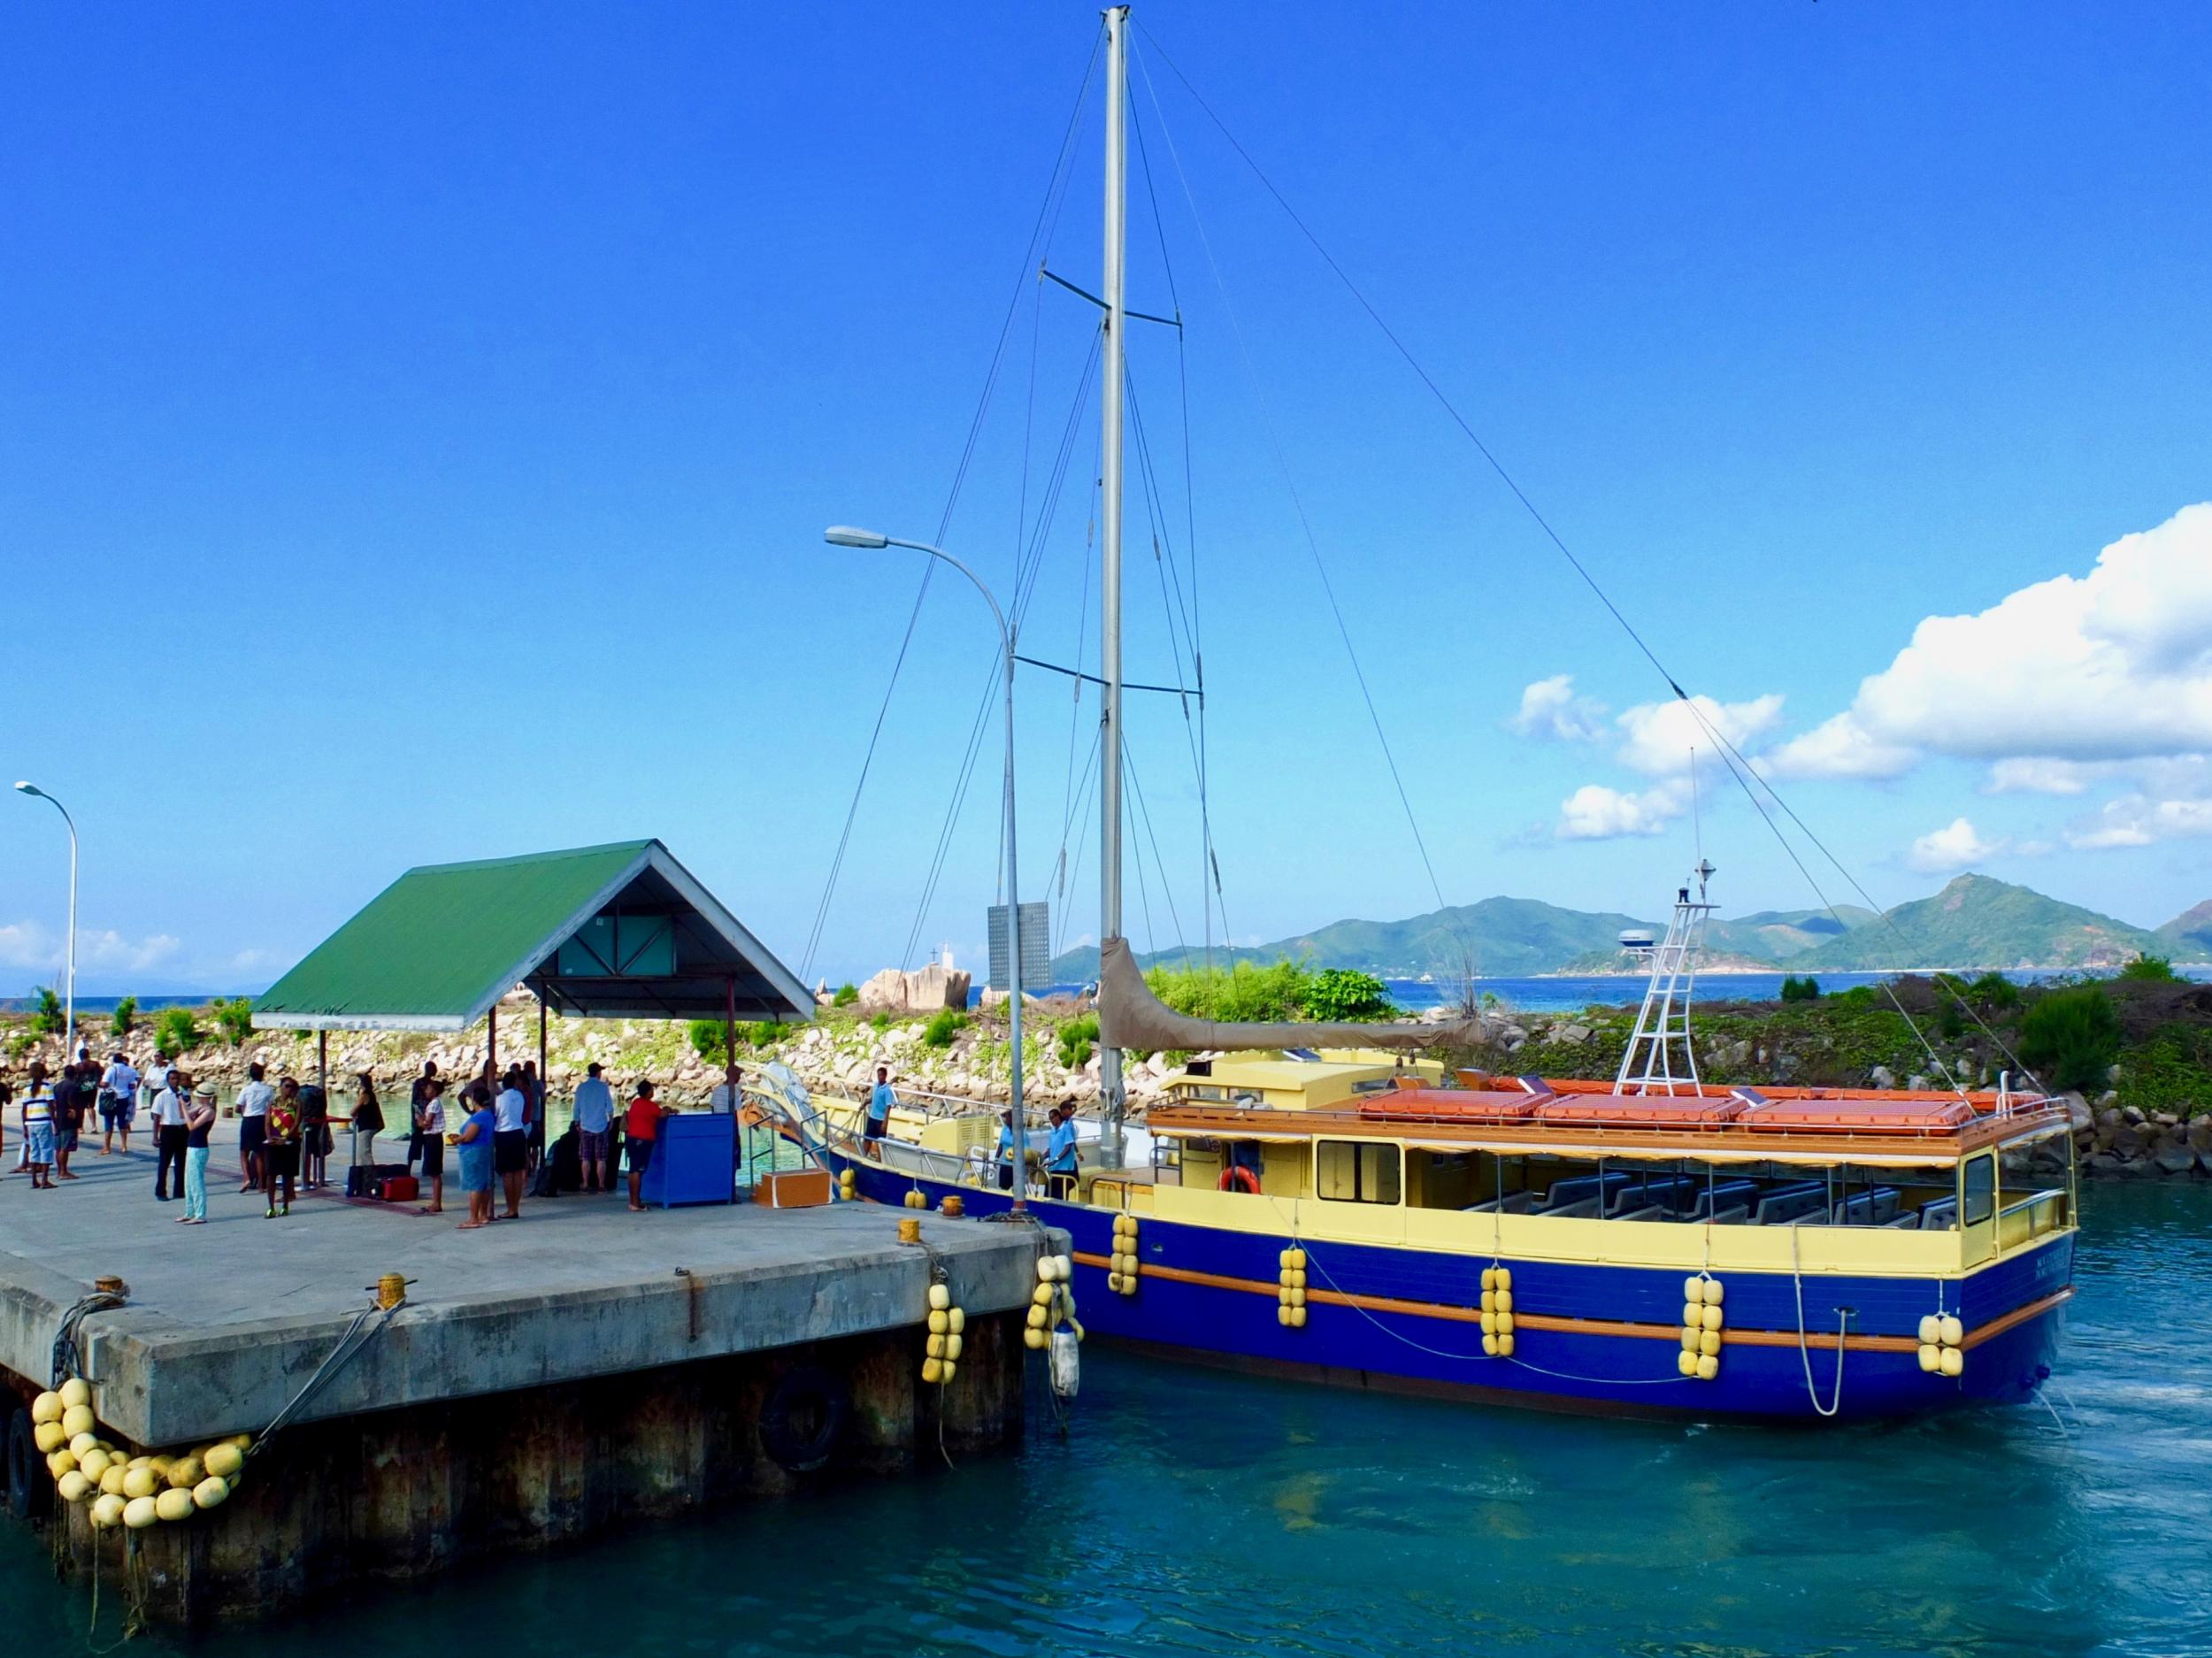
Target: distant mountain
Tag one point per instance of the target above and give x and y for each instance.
(2188, 936)
(1973, 922)
(1509, 937)
(1978, 922)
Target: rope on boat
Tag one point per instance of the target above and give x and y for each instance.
(1804, 1352)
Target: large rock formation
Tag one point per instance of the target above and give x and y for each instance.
(932, 988)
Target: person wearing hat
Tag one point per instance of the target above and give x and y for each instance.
(199, 1121)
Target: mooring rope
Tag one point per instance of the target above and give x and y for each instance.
(1804, 1352)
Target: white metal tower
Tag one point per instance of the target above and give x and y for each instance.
(1662, 1023)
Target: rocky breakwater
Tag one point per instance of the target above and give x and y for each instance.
(2127, 1143)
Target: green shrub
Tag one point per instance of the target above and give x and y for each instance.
(1797, 989)
(706, 1037)
(1994, 990)
(941, 1030)
(176, 1031)
(2070, 1038)
(2156, 969)
(1857, 996)
(767, 1034)
(21, 1043)
(47, 1017)
(125, 1016)
(1340, 993)
(1078, 1037)
(847, 995)
(234, 1019)
(1246, 993)
(708, 1042)
(881, 1022)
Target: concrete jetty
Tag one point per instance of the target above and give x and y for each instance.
(546, 1379)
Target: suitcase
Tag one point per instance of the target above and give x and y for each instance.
(366, 1179)
(399, 1188)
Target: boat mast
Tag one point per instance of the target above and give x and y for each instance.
(1662, 1023)
(1111, 1098)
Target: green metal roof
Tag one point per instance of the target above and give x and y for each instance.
(442, 944)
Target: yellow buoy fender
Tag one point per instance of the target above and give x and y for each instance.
(1954, 1362)
(76, 1419)
(74, 1487)
(1039, 1317)
(1282, 1315)
(956, 1321)
(1041, 1295)
(173, 1505)
(932, 1370)
(1692, 1340)
(111, 1478)
(93, 1464)
(953, 1344)
(1490, 1346)
(1932, 1330)
(1931, 1356)
(61, 1462)
(107, 1511)
(1709, 1343)
(1033, 1338)
(1711, 1316)
(1694, 1315)
(1505, 1301)
(939, 1324)
(1490, 1278)
(1714, 1291)
(138, 1513)
(210, 1491)
(1505, 1344)
(1708, 1366)
(1954, 1331)
(225, 1459)
(940, 1298)
(935, 1346)
(185, 1472)
(48, 1437)
(1686, 1362)
(81, 1443)
(46, 1407)
(1693, 1290)
(1490, 1300)
(140, 1482)
(76, 1391)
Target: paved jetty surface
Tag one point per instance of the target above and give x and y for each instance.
(228, 1320)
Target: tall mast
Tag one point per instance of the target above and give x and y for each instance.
(1109, 1083)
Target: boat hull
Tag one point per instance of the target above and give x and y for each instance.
(1590, 1337)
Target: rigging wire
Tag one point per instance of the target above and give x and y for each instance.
(1559, 542)
(1282, 462)
(1046, 215)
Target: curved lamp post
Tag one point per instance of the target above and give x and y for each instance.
(844, 535)
(69, 1041)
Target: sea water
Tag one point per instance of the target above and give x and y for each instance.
(1186, 1510)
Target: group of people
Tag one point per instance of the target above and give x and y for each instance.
(1062, 1165)
(286, 1131)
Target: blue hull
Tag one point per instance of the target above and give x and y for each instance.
(1559, 1369)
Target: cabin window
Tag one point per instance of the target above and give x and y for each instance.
(1355, 1171)
(1978, 1199)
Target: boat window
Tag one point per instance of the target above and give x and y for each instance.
(1979, 1197)
(1355, 1171)
(1446, 1180)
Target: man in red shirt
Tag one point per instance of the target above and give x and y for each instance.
(640, 1128)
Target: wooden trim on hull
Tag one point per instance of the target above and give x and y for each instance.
(1585, 1326)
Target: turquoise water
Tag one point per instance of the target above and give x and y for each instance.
(1185, 1511)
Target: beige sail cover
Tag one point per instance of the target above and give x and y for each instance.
(1130, 1015)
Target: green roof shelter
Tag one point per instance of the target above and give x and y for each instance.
(608, 931)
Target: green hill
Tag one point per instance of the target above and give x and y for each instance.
(1978, 922)
(1509, 937)
(2188, 936)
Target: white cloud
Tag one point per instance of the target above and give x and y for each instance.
(1549, 708)
(27, 944)
(1657, 737)
(1941, 851)
(2137, 820)
(1837, 747)
(2112, 666)
(2030, 775)
(1594, 812)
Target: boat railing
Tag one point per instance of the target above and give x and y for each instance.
(2030, 1218)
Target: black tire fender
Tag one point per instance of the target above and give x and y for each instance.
(30, 1492)
(803, 1420)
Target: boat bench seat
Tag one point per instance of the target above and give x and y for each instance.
(1909, 1221)
(1941, 1216)
(1877, 1207)
(1516, 1203)
(1792, 1203)
(1668, 1192)
(1576, 1189)
(1724, 1195)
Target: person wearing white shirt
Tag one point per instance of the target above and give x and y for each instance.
(253, 1126)
(119, 1104)
(595, 1110)
(510, 1138)
(169, 1137)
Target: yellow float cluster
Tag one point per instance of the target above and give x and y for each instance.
(1122, 1270)
(1291, 1295)
(1497, 1312)
(1052, 1302)
(847, 1184)
(123, 1490)
(916, 1198)
(1701, 1324)
(1943, 1350)
(948, 1328)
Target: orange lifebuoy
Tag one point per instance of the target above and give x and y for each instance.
(1238, 1178)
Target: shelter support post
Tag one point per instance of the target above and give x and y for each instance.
(545, 1078)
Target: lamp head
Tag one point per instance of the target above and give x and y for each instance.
(845, 535)
(30, 788)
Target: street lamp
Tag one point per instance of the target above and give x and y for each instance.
(845, 535)
(69, 1041)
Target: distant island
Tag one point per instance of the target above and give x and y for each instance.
(1974, 922)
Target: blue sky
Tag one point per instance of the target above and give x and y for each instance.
(419, 423)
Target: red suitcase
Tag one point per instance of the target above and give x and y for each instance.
(399, 1188)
